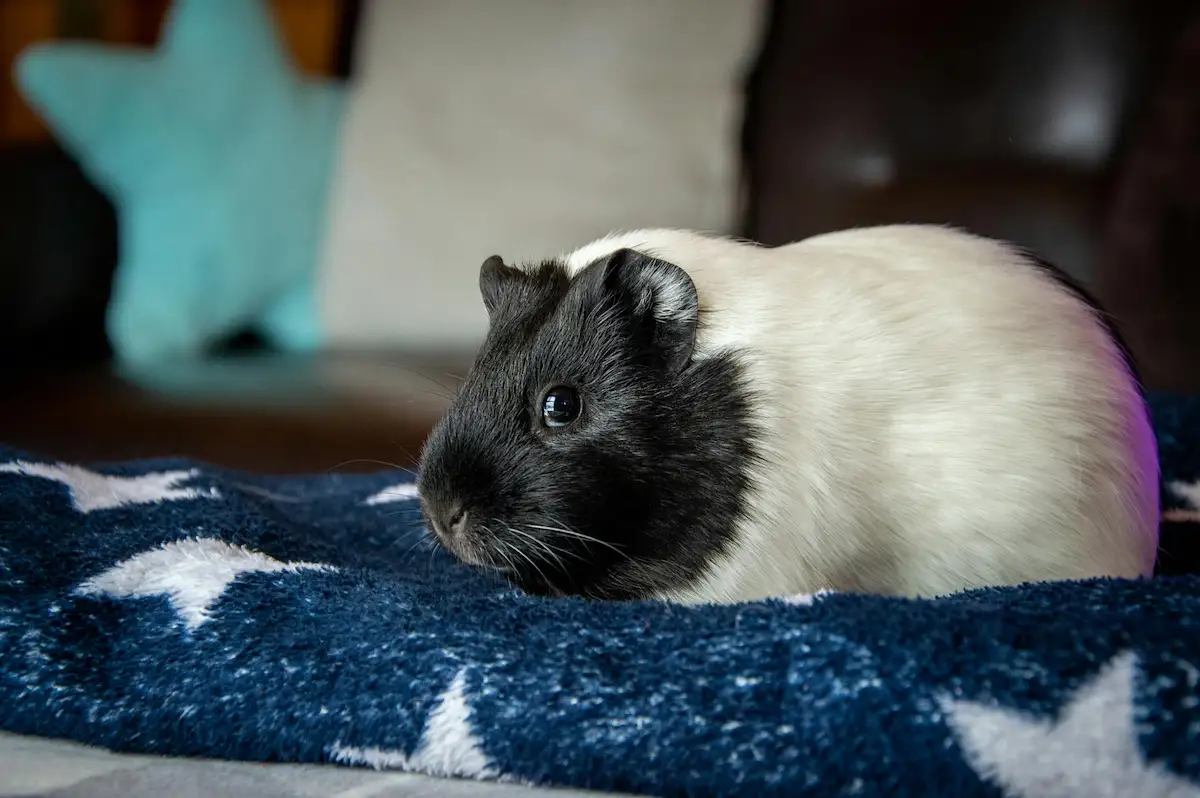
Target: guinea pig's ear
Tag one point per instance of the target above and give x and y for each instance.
(661, 296)
(493, 276)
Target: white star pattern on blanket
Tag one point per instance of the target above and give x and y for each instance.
(806, 599)
(91, 491)
(1090, 751)
(1190, 493)
(448, 747)
(191, 573)
(403, 492)
(1092, 745)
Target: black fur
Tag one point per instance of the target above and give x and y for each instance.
(1086, 296)
(657, 466)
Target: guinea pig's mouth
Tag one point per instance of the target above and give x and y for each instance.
(479, 558)
(469, 551)
(476, 545)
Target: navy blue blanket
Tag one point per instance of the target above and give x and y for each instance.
(174, 608)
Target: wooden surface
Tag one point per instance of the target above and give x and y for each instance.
(271, 414)
(309, 27)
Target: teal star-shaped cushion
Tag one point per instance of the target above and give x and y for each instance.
(217, 155)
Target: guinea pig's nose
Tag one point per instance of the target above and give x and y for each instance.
(451, 518)
(456, 520)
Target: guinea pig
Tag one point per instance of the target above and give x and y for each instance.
(904, 410)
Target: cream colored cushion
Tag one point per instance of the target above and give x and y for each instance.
(521, 128)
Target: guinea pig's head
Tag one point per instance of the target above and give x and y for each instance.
(589, 451)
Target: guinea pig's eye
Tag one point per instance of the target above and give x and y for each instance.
(560, 407)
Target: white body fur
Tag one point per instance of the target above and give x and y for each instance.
(936, 413)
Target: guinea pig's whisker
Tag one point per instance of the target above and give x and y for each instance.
(558, 552)
(491, 553)
(504, 551)
(554, 553)
(507, 562)
(456, 377)
(395, 513)
(525, 536)
(422, 538)
(526, 557)
(533, 564)
(450, 393)
(564, 529)
(433, 550)
(384, 463)
(570, 533)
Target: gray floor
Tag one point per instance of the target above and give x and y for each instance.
(31, 766)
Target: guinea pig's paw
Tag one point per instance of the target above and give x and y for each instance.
(806, 599)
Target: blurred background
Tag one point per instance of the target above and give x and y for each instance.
(1072, 128)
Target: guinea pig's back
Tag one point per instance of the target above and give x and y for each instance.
(982, 413)
(936, 412)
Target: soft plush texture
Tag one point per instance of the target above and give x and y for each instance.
(174, 608)
(323, 214)
(217, 155)
(523, 128)
(37, 766)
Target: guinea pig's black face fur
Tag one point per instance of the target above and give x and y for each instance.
(588, 452)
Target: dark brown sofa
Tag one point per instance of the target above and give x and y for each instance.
(1069, 127)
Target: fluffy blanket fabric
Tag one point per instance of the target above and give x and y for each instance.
(169, 607)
